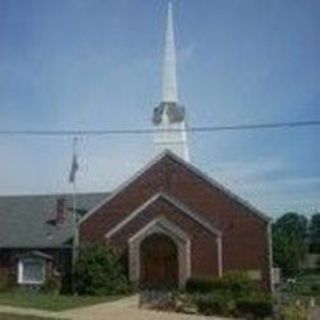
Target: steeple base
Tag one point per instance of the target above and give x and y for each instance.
(169, 134)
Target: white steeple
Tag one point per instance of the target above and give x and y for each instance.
(169, 116)
(169, 85)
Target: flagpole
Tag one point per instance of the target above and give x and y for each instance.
(75, 242)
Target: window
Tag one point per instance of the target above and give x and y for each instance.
(31, 270)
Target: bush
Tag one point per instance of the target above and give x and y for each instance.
(233, 293)
(236, 283)
(99, 272)
(214, 304)
(258, 308)
(294, 312)
(201, 285)
(52, 285)
(315, 288)
(5, 282)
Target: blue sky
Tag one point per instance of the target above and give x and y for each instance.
(79, 64)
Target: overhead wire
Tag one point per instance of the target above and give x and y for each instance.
(199, 129)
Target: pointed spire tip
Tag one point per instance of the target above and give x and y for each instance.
(170, 86)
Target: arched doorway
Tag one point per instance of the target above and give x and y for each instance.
(159, 262)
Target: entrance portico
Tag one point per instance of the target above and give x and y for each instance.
(159, 255)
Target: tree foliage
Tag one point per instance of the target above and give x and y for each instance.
(99, 272)
(294, 224)
(289, 242)
(315, 233)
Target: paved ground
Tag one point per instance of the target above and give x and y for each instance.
(124, 309)
(315, 314)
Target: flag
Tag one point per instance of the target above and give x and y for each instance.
(74, 169)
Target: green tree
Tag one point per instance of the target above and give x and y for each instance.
(293, 223)
(315, 233)
(289, 243)
(99, 272)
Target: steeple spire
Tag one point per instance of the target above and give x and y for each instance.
(169, 116)
(169, 86)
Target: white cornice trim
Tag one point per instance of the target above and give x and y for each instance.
(176, 203)
(167, 225)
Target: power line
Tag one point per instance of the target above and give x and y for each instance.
(237, 127)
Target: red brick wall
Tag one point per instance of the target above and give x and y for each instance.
(203, 242)
(245, 237)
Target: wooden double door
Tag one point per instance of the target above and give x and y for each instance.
(159, 262)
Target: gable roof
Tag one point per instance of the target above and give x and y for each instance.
(190, 167)
(25, 221)
(176, 203)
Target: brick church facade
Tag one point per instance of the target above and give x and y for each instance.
(204, 229)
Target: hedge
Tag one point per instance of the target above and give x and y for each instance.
(236, 283)
(201, 285)
(258, 308)
(214, 304)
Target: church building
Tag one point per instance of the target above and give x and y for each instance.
(170, 220)
(173, 221)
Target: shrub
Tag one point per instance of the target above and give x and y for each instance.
(5, 282)
(52, 285)
(315, 288)
(294, 312)
(201, 285)
(233, 293)
(258, 308)
(236, 283)
(214, 304)
(99, 272)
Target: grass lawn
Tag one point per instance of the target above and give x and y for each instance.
(9, 316)
(27, 299)
(305, 287)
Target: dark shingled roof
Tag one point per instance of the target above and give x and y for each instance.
(28, 221)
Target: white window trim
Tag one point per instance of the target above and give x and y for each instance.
(21, 279)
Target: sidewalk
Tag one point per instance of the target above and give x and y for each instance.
(31, 312)
(124, 309)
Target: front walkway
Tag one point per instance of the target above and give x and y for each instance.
(124, 309)
(315, 314)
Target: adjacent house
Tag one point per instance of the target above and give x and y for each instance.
(36, 233)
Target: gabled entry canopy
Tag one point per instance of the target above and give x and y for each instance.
(159, 255)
